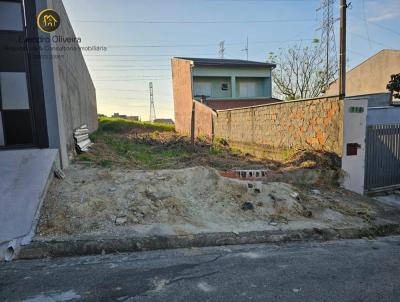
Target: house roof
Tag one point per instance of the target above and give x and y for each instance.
(227, 62)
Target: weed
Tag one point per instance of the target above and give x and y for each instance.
(105, 163)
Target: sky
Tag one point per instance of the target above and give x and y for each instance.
(142, 36)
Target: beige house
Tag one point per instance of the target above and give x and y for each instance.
(371, 76)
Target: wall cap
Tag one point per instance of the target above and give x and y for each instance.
(281, 103)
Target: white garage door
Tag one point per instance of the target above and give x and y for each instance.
(247, 89)
(202, 88)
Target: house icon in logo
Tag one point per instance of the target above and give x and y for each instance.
(49, 21)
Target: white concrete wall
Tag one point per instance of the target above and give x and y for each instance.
(70, 95)
(355, 127)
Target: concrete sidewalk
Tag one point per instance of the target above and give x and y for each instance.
(24, 177)
(391, 199)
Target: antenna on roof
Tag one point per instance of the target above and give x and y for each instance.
(246, 49)
(221, 49)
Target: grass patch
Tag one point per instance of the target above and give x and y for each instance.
(143, 145)
(120, 125)
(146, 156)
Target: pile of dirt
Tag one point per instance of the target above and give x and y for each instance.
(314, 159)
(92, 200)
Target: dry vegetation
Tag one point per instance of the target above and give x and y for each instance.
(156, 146)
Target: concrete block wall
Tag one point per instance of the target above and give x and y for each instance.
(310, 124)
(204, 120)
(70, 94)
(182, 90)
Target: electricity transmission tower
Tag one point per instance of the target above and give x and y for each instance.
(152, 108)
(328, 41)
(246, 48)
(221, 49)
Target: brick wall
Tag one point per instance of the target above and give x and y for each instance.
(310, 124)
(182, 89)
(204, 119)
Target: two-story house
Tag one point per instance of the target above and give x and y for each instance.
(226, 83)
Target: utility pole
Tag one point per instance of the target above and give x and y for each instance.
(221, 49)
(342, 53)
(152, 108)
(246, 49)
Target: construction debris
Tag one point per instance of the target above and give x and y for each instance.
(121, 220)
(295, 195)
(247, 206)
(59, 174)
(82, 140)
(245, 174)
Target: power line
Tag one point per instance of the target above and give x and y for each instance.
(124, 60)
(365, 38)
(130, 69)
(158, 46)
(194, 22)
(366, 24)
(132, 66)
(197, 45)
(377, 25)
(261, 0)
(143, 55)
(129, 80)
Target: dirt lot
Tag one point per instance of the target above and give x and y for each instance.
(136, 145)
(142, 181)
(96, 200)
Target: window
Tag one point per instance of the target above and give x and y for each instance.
(224, 86)
(247, 89)
(10, 16)
(202, 89)
(14, 90)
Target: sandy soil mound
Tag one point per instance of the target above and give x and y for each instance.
(101, 200)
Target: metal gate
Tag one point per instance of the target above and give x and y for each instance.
(382, 162)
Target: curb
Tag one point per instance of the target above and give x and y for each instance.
(84, 247)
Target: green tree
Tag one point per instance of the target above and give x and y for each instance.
(394, 86)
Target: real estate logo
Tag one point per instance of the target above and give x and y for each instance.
(48, 20)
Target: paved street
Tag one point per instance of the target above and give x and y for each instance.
(353, 270)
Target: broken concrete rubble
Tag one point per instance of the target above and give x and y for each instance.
(247, 206)
(121, 220)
